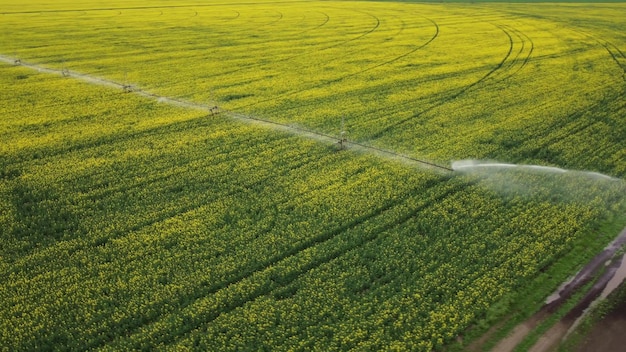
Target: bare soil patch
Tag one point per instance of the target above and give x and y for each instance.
(609, 333)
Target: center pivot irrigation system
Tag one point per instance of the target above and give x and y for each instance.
(213, 109)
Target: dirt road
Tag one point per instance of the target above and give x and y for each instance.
(553, 336)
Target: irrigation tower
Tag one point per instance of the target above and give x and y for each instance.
(343, 140)
(127, 87)
(64, 71)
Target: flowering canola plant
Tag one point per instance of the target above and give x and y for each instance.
(131, 223)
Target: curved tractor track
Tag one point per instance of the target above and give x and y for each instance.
(312, 29)
(353, 74)
(526, 56)
(276, 280)
(269, 23)
(302, 53)
(617, 55)
(505, 69)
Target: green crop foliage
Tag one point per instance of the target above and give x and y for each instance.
(129, 222)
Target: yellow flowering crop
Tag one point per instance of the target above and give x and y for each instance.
(138, 220)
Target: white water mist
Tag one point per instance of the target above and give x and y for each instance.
(476, 166)
(544, 183)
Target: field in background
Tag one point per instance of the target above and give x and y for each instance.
(132, 223)
(440, 81)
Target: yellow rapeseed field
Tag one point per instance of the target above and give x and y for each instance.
(142, 220)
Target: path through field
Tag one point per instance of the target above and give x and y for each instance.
(551, 338)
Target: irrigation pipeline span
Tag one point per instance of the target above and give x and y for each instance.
(238, 116)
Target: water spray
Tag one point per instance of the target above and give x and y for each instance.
(473, 165)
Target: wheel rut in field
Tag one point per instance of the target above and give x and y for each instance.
(617, 55)
(260, 26)
(313, 29)
(359, 72)
(240, 275)
(160, 215)
(526, 48)
(284, 279)
(502, 65)
(305, 52)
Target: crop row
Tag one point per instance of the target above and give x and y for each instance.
(147, 226)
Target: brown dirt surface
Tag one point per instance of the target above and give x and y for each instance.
(551, 338)
(609, 334)
(519, 333)
(479, 344)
